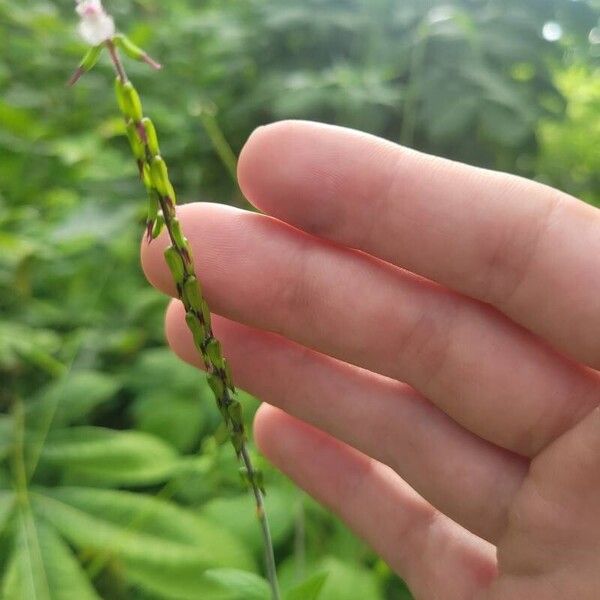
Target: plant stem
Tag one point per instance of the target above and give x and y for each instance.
(417, 62)
(161, 195)
(300, 538)
(220, 143)
(264, 524)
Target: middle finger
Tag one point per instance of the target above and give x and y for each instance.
(487, 373)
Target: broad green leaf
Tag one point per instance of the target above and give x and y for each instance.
(347, 580)
(309, 589)
(160, 369)
(239, 585)
(237, 515)
(178, 420)
(43, 568)
(159, 545)
(110, 457)
(72, 398)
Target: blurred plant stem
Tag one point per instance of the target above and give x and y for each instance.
(300, 538)
(412, 91)
(209, 121)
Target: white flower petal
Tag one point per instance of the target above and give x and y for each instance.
(97, 30)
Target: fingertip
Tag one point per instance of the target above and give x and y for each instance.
(177, 333)
(266, 160)
(267, 422)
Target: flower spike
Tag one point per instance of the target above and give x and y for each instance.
(97, 28)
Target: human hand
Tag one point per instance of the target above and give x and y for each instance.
(440, 326)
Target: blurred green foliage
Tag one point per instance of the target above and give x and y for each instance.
(114, 482)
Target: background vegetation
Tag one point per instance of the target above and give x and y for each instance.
(114, 482)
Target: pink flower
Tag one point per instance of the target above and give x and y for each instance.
(96, 25)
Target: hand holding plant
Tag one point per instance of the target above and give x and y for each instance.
(480, 479)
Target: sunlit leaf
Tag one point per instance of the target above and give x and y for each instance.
(309, 589)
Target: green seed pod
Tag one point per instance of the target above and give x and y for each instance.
(121, 97)
(134, 141)
(91, 57)
(195, 326)
(152, 205)
(133, 51)
(216, 385)
(177, 233)
(192, 295)
(213, 349)
(87, 63)
(206, 314)
(228, 374)
(159, 225)
(134, 104)
(175, 265)
(146, 178)
(235, 414)
(151, 137)
(160, 176)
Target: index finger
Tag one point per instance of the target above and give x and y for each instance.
(528, 249)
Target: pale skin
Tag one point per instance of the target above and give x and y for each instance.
(426, 337)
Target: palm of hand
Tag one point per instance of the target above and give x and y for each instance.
(463, 389)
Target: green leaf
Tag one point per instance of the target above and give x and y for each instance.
(110, 457)
(239, 585)
(176, 419)
(309, 589)
(43, 568)
(347, 580)
(160, 369)
(159, 546)
(72, 399)
(237, 515)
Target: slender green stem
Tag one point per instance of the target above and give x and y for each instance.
(19, 467)
(300, 538)
(417, 63)
(220, 143)
(162, 212)
(264, 524)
